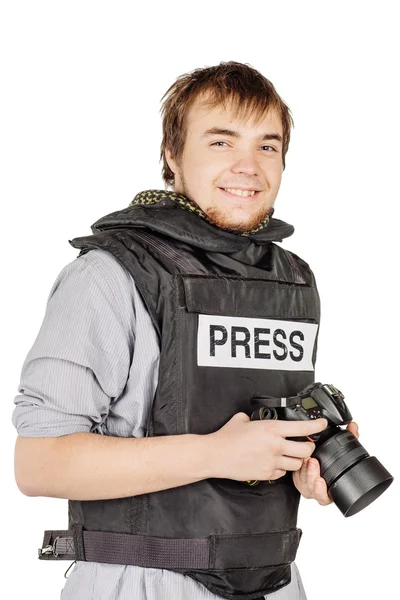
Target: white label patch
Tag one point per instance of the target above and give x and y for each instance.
(242, 342)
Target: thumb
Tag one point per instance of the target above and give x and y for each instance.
(240, 416)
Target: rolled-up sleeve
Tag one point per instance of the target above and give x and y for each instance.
(79, 363)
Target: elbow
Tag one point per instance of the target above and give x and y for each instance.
(24, 484)
(30, 460)
(24, 489)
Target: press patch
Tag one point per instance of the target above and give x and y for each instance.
(242, 342)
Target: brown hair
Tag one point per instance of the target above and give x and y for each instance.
(246, 88)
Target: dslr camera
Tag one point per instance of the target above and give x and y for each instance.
(353, 477)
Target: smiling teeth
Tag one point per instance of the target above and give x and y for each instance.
(240, 192)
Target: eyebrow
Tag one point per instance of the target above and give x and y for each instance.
(236, 134)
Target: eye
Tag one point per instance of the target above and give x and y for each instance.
(215, 143)
(272, 148)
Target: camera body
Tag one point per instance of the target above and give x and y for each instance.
(316, 401)
(353, 477)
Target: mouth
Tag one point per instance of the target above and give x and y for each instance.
(246, 196)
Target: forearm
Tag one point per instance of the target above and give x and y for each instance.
(87, 466)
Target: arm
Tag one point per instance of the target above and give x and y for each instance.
(86, 466)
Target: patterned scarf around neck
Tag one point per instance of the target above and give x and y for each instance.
(155, 196)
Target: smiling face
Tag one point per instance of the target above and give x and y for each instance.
(230, 167)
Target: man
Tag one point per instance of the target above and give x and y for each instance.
(179, 313)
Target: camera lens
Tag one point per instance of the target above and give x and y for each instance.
(353, 477)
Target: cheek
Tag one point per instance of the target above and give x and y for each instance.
(205, 174)
(277, 173)
(273, 175)
(205, 164)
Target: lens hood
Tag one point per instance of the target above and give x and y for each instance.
(360, 485)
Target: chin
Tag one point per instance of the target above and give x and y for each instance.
(237, 222)
(238, 226)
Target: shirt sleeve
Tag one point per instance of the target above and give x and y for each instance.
(79, 363)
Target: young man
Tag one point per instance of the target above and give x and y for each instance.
(179, 313)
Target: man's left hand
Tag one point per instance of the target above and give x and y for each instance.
(308, 480)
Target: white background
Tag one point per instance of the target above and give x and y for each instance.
(80, 135)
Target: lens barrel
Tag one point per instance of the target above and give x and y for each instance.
(353, 477)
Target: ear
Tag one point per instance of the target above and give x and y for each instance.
(171, 161)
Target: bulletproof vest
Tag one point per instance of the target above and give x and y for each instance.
(237, 318)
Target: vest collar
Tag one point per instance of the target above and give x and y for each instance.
(174, 215)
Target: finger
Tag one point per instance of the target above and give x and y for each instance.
(312, 473)
(288, 463)
(300, 428)
(321, 492)
(316, 484)
(297, 449)
(240, 416)
(300, 481)
(277, 474)
(300, 485)
(353, 428)
(303, 472)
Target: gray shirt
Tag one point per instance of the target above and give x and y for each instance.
(94, 367)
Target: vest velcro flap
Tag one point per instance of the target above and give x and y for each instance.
(251, 551)
(248, 298)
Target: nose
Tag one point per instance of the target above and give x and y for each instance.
(246, 164)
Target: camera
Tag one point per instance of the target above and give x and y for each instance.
(354, 478)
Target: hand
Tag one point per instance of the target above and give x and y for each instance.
(308, 480)
(246, 450)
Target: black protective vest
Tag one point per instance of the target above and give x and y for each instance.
(237, 317)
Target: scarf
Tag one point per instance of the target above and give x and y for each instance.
(154, 196)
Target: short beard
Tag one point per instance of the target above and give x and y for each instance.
(222, 219)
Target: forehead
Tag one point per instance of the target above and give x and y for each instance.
(202, 116)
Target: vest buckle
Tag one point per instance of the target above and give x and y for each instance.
(50, 549)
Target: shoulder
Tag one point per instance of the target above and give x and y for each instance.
(98, 275)
(95, 284)
(96, 264)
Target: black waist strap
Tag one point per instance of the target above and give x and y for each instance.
(214, 552)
